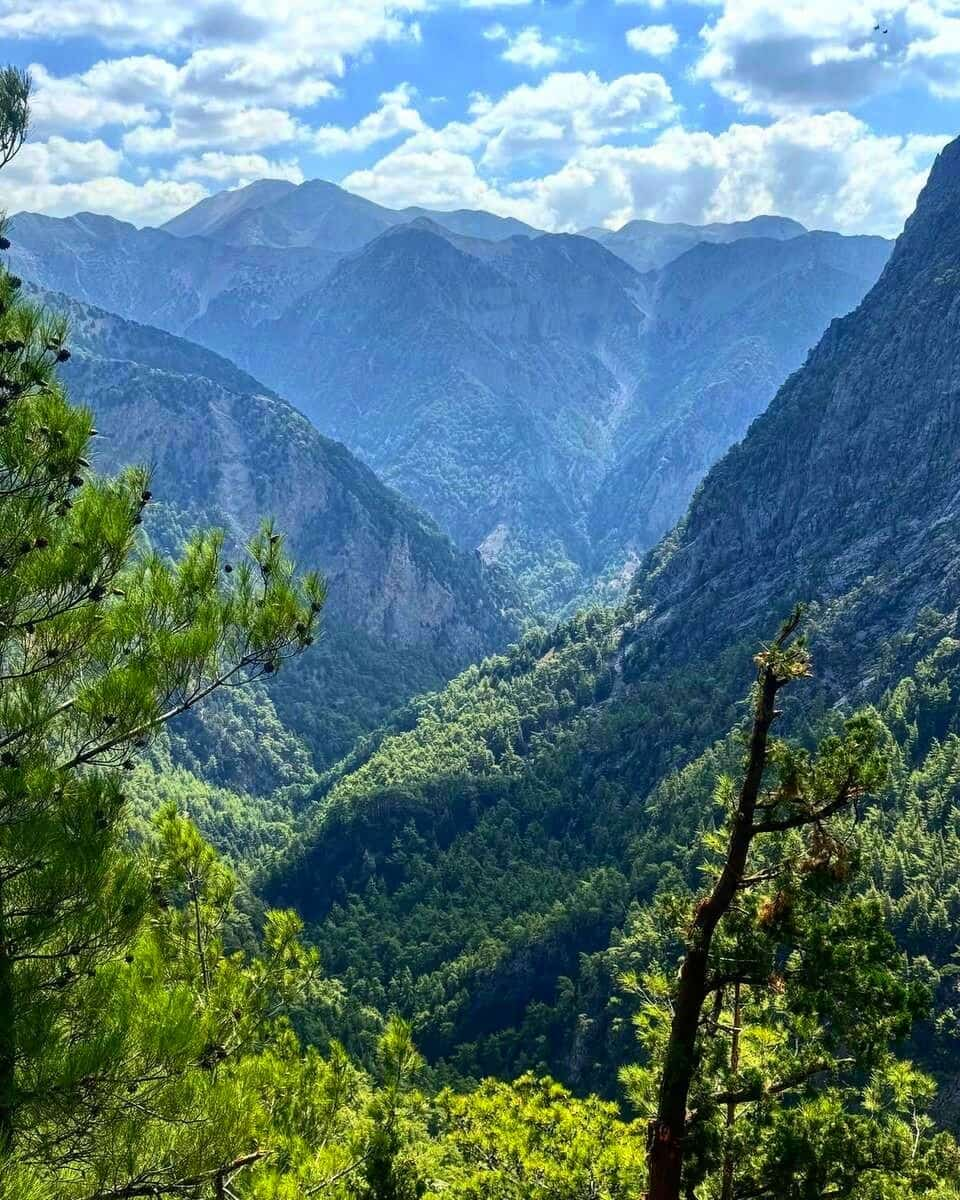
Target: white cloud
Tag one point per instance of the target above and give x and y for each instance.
(61, 177)
(435, 178)
(658, 40)
(123, 91)
(565, 110)
(225, 126)
(396, 115)
(772, 57)
(329, 32)
(223, 75)
(527, 48)
(828, 171)
(59, 158)
(235, 170)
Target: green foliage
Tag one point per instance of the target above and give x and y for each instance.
(532, 1137)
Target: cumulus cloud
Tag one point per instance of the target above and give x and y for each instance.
(565, 110)
(61, 177)
(776, 58)
(527, 47)
(658, 40)
(437, 178)
(827, 170)
(235, 170)
(122, 91)
(396, 115)
(197, 125)
(234, 59)
(327, 32)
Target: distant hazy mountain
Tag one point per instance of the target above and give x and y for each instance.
(538, 396)
(728, 325)
(648, 245)
(487, 380)
(272, 212)
(596, 749)
(151, 276)
(406, 608)
(217, 211)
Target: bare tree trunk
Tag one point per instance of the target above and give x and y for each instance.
(665, 1148)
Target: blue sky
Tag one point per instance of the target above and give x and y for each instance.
(565, 113)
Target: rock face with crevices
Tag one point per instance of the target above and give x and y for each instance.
(406, 608)
(544, 402)
(849, 483)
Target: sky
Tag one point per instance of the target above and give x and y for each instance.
(564, 113)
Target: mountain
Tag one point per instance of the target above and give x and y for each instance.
(218, 210)
(406, 609)
(483, 379)
(482, 869)
(152, 277)
(542, 400)
(649, 245)
(729, 323)
(318, 214)
(846, 485)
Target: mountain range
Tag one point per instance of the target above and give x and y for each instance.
(406, 608)
(545, 402)
(492, 859)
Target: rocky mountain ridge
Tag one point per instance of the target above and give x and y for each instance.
(226, 451)
(546, 403)
(487, 855)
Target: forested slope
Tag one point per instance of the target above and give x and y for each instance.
(462, 866)
(406, 609)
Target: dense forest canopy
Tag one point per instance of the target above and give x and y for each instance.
(657, 901)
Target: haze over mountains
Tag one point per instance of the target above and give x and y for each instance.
(503, 848)
(406, 608)
(544, 401)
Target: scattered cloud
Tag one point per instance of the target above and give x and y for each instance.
(527, 47)
(770, 57)
(565, 110)
(61, 177)
(826, 170)
(236, 170)
(395, 116)
(658, 40)
(187, 95)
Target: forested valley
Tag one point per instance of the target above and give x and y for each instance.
(339, 860)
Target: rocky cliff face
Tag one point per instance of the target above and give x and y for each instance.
(226, 451)
(845, 489)
(544, 402)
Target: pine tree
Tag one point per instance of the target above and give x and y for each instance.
(790, 991)
(101, 643)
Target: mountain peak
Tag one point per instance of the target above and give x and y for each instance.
(206, 217)
(945, 172)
